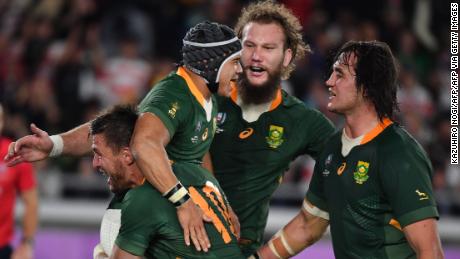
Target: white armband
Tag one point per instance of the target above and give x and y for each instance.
(315, 211)
(280, 246)
(58, 145)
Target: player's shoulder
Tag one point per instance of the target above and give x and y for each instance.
(143, 196)
(302, 114)
(295, 105)
(172, 84)
(170, 90)
(396, 141)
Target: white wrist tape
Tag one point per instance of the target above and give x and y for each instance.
(315, 211)
(281, 235)
(279, 245)
(177, 195)
(58, 145)
(273, 249)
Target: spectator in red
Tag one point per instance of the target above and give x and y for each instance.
(16, 181)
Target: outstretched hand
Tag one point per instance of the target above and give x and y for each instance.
(30, 148)
(191, 219)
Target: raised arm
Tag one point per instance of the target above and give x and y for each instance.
(148, 146)
(39, 145)
(302, 231)
(424, 239)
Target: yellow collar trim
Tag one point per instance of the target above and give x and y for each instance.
(191, 85)
(376, 131)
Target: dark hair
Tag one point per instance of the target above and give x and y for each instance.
(117, 126)
(267, 12)
(376, 73)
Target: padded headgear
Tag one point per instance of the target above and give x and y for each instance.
(206, 47)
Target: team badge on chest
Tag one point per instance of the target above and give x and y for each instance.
(275, 136)
(360, 175)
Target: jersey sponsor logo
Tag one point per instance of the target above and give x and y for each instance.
(174, 108)
(275, 136)
(246, 133)
(341, 168)
(205, 134)
(326, 172)
(360, 175)
(421, 195)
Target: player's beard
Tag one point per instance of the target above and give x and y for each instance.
(251, 94)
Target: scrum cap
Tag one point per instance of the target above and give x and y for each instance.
(206, 47)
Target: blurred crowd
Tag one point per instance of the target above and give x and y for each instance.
(62, 61)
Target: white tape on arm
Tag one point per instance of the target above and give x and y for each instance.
(58, 145)
(273, 249)
(315, 211)
(285, 243)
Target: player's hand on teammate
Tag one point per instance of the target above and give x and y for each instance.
(30, 148)
(235, 221)
(191, 219)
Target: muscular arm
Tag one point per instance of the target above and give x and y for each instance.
(77, 141)
(148, 144)
(424, 239)
(38, 145)
(302, 231)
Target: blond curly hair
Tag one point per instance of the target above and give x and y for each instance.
(266, 12)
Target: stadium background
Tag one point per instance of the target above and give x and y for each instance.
(62, 61)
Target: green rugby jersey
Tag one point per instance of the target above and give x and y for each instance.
(149, 225)
(178, 103)
(380, 187)
(249, 159)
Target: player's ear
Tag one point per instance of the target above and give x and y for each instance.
(127, 155)
(287, 57)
